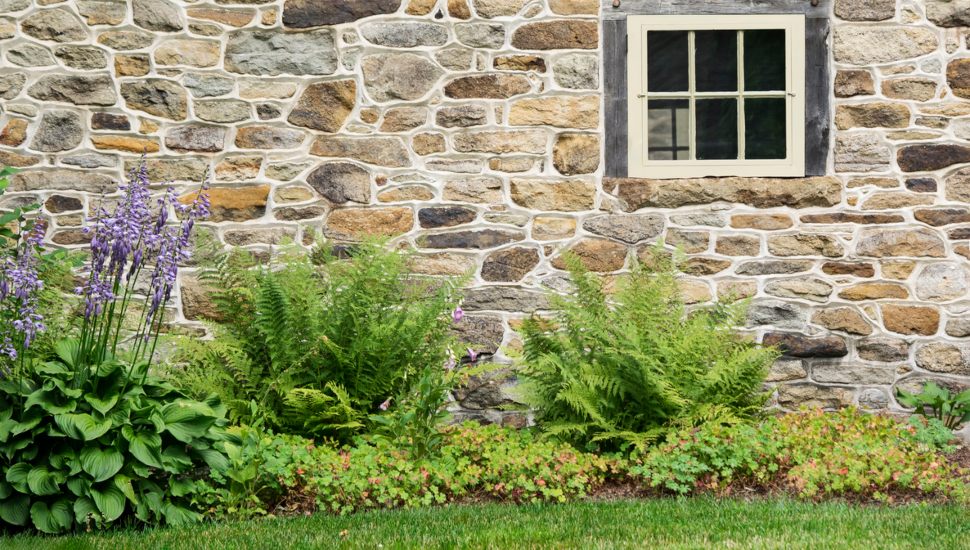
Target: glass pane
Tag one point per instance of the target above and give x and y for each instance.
(764, 60)
(717, 129)
(668, 129)
(716, 61)
(765, 133)
(667, 61)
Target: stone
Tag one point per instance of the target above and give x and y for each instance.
(455, 59)
(501, 142)
(694, 291)
(577, 72)
(129, 144)
(231, 17)
(445, 216)
(301, 14)
(462, 116)
(551, 228)
(922, 185)
(90, 160)
(700, 267)
(410, 34)
(558, 111)
(851, 83)
(16, 160)
(881, 243)
(562, 34)
(944, 358)
(58, 24)
(758, 192)
(132, 65)
(268, 111)
(498, 8)
(27, 54)
(814, 290)
(840, 373)
(181, 169)
(776, 313)
(57, 204)
(575, 154)
(865, 10)
(861, 153)
(156, 96)
(272, 52)
(872, 115)
(958, 328)
(481, 35)
(853, 44)
(949, 13)
(14, 132)
(849, 268)
(477, 239)
(845, 319)
(504, 298)
(958, 77)
(884, 350)
(102, 12)
(341, 182)
(234, 204)
(427, 144)
(404, 119)
(766, 222)
(58, 131)
(291, 214)
(205, 29)
(406, 193)
(551, 195)
(795, 396)
(930, 157)
(913, 88)
(125, 40)
(381, 151)
(528, 63)
(239, 168)
(325, 106)
(82, 57)
(785, 370)
(488, 86)
(11, 84)
(420, 7)
(207, 85)
(157, 15)
(574, 7)
(482, 332)
(629, 228)
(481, 189)
(514, 165)
(599, 255)
(404, 76)
(284, 171)
(459, 9)
(223, 110)
(957, 185)
(805, 244)
(688, 242)
(191, 52)
(266, 89)
(738, 245)
(62, 179)
(919, 320)
(196, 138)
(268, 137)
(509, 265)
(95, 89)
(796, 345)
(851, 217)
(874, 291)
(942, 282)
(244, 237)
(898, 270)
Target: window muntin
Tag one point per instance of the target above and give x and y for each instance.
(716, 96)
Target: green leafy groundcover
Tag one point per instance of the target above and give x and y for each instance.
(661, 523)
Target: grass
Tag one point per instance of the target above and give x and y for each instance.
(669, 524)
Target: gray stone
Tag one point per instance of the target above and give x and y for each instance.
(58, 131)
(382, 151)
(11, 84)
(223, 110)
(881, 243)
(341, 182)
(28, 54)
(949, 13)
(873, 399)
(776, 313)
(175, 169)
(409, 34)
(301, 14)
(10, 6)
(481, 35)
(472, 239)
(403, 76)
(125, 40)
(841, 373)
(455, 59)
(95, 89)
(577, 71)
(504, 298)
(861, 152)
(58, 24)
(884, 350)
(208, 85)
(156, 96)
(865, 10)
(90, 160)
(773, 267)
(62, 179)
(157, 15)
(815, 290)
(794, 396)
(874, 45)
(102, 12)
(266, 52)
(944, 358)
(943, 282)
(509, 265)
(268, 137)
(462, 116)
(82, 57)
(629, 228)
(958, 327)
(196, 138)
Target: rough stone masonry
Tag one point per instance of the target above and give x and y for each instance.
(471, 131)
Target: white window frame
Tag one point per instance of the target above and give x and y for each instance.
(640, 166)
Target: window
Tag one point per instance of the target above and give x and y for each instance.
(716, 96)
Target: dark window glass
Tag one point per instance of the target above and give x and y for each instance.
(765, 134)
(716, 61)
(668, 129)
(667, 61)
(717, 129)
(764, 60)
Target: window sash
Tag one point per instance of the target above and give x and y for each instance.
(640, 165)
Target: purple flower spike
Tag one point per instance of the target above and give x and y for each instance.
(20, 286)
(386, 404)
(458, 314)
(472, 355)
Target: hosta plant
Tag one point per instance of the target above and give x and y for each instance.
(952, 409)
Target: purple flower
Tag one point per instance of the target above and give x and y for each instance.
(385, 405)
(20, 285)
(458, 314)
(472, 355)
(452, 362)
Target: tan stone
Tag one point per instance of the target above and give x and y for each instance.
(785, 370)
(428, 144)
(442, 263)
(806, 288)
(14, 133)
(736, 290)
(520, 63)
(478, 189)
(805, 244)
(558, 111)
(872, 115)
(575, 154)
(238, 168)
(501, 141)
(325, 106)
(420, 7)
(132, 65)
(194, 53)
(234, 203)
(293, 193)
(381, 151)
(794, 396)
(232, 17)
(130, 144)
(356, 223)
(266, 88)
(958, 77)
(738, 245)
(553, 195)
(852, 83)
(459, 9)
(488, 86)
(897, 270)
(875, 45)
(758, 192)
(406, 193)
(886, 183)
(689, 242)
(574, 7)
(912, 88)
(911, 319)
(513, 165)
(874, 291)
(403, 119)
(559, 34)
(888, 201)
(845, 319)
(880, 243)
(598, 255)
(693, 291)
(767, 222)
(551, 228)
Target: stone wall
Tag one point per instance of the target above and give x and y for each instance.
(471, 131)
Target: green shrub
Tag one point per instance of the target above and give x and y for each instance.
(614, 372)
(319, 342)
(812, 455)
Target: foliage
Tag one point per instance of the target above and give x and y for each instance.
(939, 403)
(811, 454)
(317, 341)
(614, 372)
(13, 224)
(82, 444)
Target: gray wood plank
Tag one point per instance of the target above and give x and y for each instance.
(818, 89)
(714, 7)
(615, 100)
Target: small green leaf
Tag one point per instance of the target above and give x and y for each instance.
(13, 510)
(102, 405)
(100, 463)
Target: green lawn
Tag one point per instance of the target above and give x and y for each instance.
(696, 523)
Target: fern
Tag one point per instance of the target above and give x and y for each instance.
(622, 371)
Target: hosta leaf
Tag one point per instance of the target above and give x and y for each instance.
(44, 482)
(29, 421)
(181, 487)
(79, 485)
(144, 445)
(124, 483)
(14, 510)
(84, 508)
(7, 426)
(109, 500)
(214, 459)
(5, 489)
(101, 463)
(175, 459)
(102, 405)
(17, 476)
(67, 351)
(186, 419)
(55, 519)
(82, 426)
(51, 401)
(177, 515)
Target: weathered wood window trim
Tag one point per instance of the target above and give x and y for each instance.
(817, 78)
